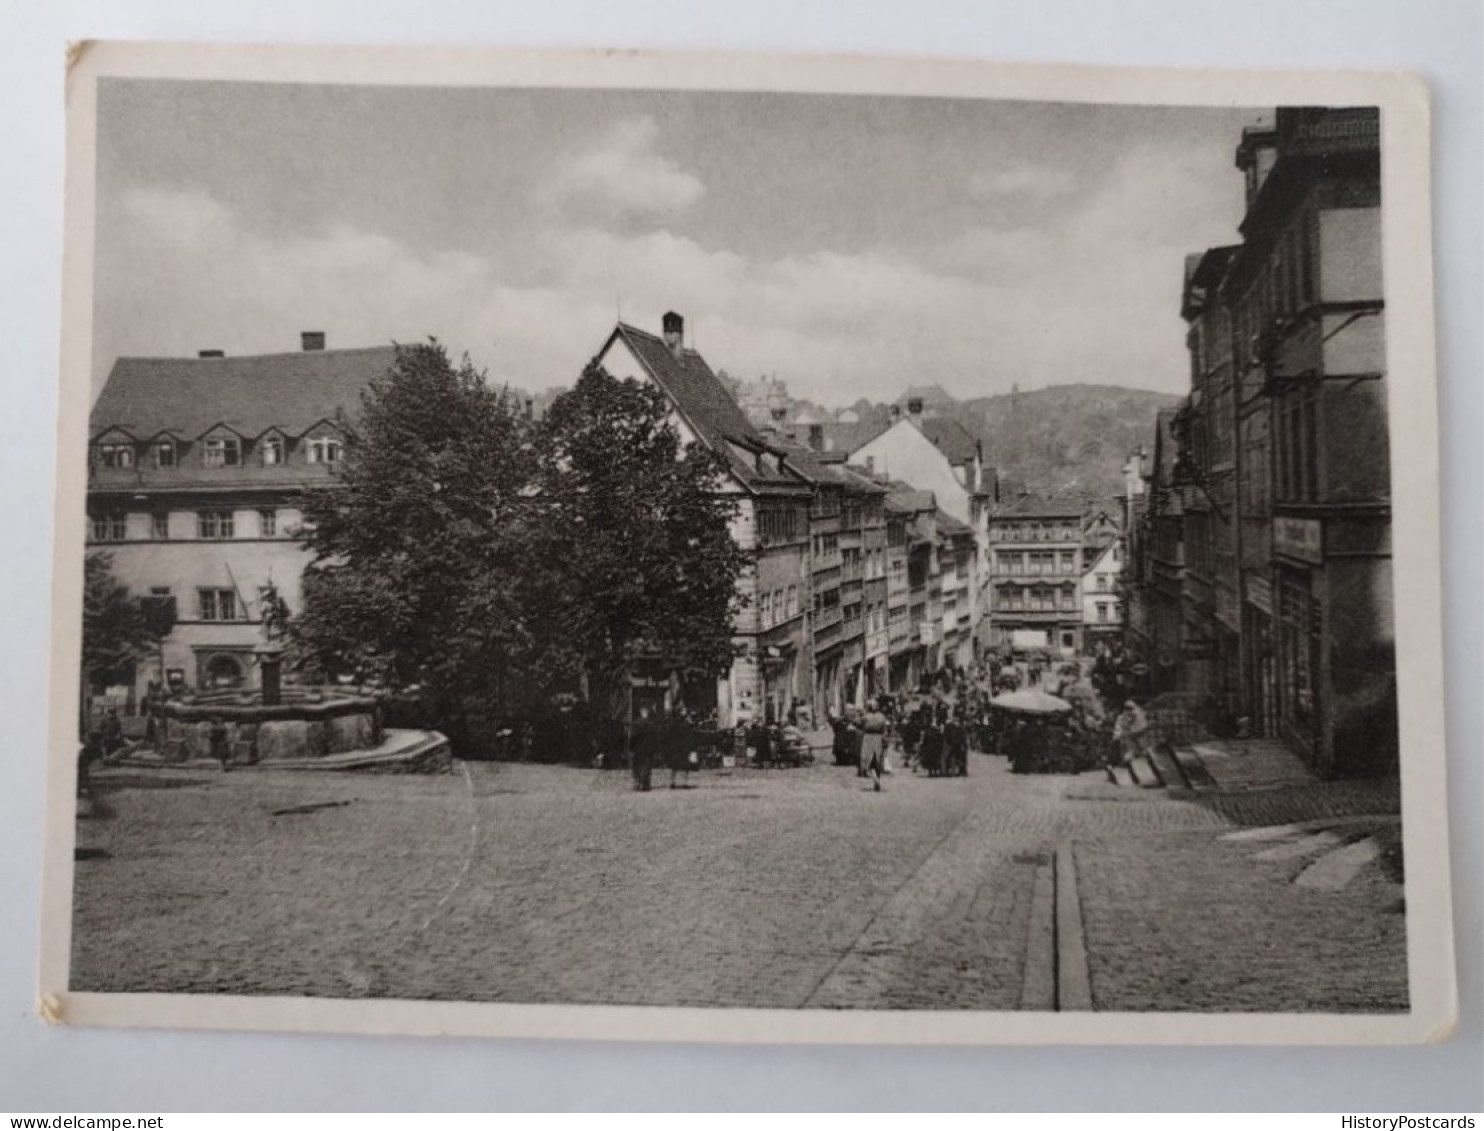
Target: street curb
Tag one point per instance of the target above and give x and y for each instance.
(1038, 990)
(1073, 984)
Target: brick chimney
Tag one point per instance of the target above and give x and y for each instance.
(310, 340)
(674, 331)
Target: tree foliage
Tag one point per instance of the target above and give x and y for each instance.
(114, 632)
(495, 562)
(418, 558)
(637, 538)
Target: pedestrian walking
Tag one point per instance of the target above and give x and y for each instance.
(216, 738)
(874, 728)
(956, 746)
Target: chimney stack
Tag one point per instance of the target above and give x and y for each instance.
(914, 408)
(816, 437)
(311, 340)
(674, 331)
(530, 408)
(211, 353)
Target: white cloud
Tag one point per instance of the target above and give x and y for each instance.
(1090, 293)
(625, 175)
(1033, 181)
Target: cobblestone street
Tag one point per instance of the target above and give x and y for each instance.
(783, 888)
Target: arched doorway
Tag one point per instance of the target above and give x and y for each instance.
(223, 670)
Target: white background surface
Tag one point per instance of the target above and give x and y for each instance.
(60, 1070)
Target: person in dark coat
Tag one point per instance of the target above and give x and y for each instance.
(956, 747)
(931, 748)
(642, 741)
(221, 749)
(911, 737)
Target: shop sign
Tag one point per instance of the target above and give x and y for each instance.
(1300, 538)
(1260, 594)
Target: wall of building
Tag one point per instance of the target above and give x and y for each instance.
(903, 452)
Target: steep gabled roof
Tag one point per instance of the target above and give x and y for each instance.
(1041, 506)
(951, 438)
(842, 437)
(704, 402)
(951, 527)
(906, 499)
(146, 396)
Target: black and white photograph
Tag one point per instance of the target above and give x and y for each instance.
(892, 555)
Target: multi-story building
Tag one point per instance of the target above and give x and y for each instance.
(876, 641)
(197, 473)
(1206, 470)
(771, 669)
(1102, 600)
(958, 560)
(1281, 476)
(1306, 299)
(938, 454)
(900, 640)
(1164, 564)
(1036, 574)
(915, 655)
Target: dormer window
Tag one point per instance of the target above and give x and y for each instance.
(116, 455)
(324, 449)
(222, 451)
(164, 453)
(272, 450)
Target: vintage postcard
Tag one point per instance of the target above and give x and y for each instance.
(746, 548)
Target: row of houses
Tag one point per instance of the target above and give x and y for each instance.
(877, 562)
(1261, 572)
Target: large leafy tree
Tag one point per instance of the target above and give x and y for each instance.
(114, 630)
(637, 538)
(420, 548)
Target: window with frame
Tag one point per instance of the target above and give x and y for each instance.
(111, 527)
(221, 451)
(1297, 455)
(325, 449)
(216, 524)
(271, 451)
(267, 523)
(1068, 562)
(160, 525)
(116, 455)
(164, 453)
(218, 604)
(1068, 597)
(1103, 612)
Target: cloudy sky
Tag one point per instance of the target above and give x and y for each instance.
(851, 245)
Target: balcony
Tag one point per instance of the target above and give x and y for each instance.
(828, 618)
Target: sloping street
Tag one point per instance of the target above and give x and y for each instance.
(764, 888)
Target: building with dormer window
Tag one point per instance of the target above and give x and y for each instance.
(197, 471)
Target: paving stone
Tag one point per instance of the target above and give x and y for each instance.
(529, 883)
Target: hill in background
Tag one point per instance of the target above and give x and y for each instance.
(1065, 439)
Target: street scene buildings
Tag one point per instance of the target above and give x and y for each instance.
(1263, 559)
(949, 679)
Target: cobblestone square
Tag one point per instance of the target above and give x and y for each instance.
(779, 888)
